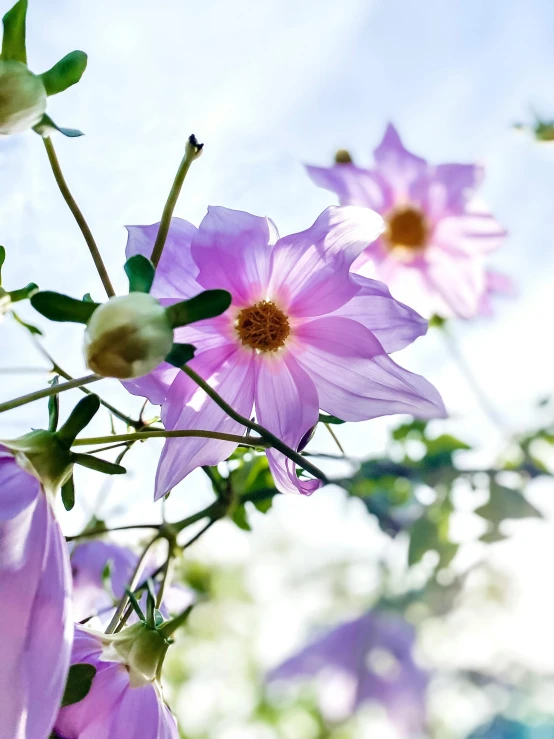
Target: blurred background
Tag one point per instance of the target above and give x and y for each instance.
(267, 87)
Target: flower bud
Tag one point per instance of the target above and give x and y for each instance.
(22, 98)
(128, 336)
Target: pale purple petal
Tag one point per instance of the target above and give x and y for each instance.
(35, 586)
(229, 370)
(176, 272)
(355, 379)
(394, 324)
(460, 282)
(453, 187)
(287, 405)
(353, 185)
(141, 713)
(232, 250)
(154, 385)
(310, 269)
(471, 234)
(396, 164)
(496, 283)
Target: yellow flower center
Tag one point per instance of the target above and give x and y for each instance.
(263, 326)
(407, 227)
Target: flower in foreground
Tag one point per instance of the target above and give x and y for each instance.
(35, 593)
(368, 659)
(125, 699)
(431, 253)
(302, 333)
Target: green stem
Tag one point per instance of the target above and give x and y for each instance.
(273, 441)
(192, 151)
(171, 434)
(47, 392)
(79, 217)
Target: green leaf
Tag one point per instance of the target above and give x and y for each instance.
(13, 41)
(24, 292)
(53, 407)
(240, 517)
(80, 416)
(68, 494)
(414, 429)
(100, 465)
(437, 322)
(209, 304)
(506, 503)
(180, 354)
(30, 328)
(58, 307)
(2, 260)
(325, 418)
(140, 272)
(79, 681)
(46, 125)
(65, 73)
(423, 537)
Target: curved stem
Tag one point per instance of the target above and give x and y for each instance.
(487, 407)
(77, 214)
(171, 434)
(192, 152)
(272, 440)
(47, 392)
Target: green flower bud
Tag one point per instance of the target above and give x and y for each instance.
(141, 648)
(128, 336)
(22, 98)
(42, 455)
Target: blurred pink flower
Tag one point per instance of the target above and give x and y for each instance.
(431, 253)
(302, 333)
(35, 593)
(368, 659)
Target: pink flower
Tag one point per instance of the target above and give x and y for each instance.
(302, 333)
(436, 236)
(125, 699)
(35, 596)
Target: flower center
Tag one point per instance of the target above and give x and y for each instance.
(263, 326)
(407, 227)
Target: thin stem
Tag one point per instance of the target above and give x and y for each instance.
(192, 151)
(132, 585)
(170, 434)
(47, 392)
(100, 532)
(167, 574)
(334, 436)
(77, 214)
(272, 440)
(197, 536)
(487, 407)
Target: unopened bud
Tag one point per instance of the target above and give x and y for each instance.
(22, 98)
(128, 336)
(343, 157)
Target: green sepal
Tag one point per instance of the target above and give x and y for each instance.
(135, 604)
(29, 326)
(46, 125)
(24, 292)
(87, 298)
(209, 304)
(100, 465)
(325, 418)
(140, 272)
(2, 260)
(68, 494)
(58, 307)
(78, 684)
(180, 354)
(80, 416)
(13, 41)
(437, 321)
(53, 406)
(68, 71)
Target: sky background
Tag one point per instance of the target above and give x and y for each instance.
(267, 86)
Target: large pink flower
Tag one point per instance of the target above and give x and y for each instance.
(431, 253)
(36, 628)
(302, 333)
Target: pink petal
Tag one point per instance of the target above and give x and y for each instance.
(230, 371)
(287, 405)
(176, 273)
(459, 281)
(394, 324)
(355, 379)
(396, 164)
(353, 185)
(232, 250)
(471, 234)
(310, 270)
